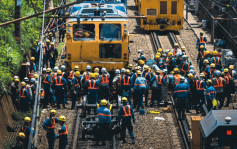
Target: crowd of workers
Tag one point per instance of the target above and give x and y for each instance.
(172, 71)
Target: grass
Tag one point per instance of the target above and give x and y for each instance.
(60, 47)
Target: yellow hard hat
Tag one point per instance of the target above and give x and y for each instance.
(21, 135)
(170, 54)
(127, 71)
(141, 62)
(48, 40)
(48, 70)
(67, 13)
(62, 118)
(190, 75)
(139, 72)
(130, 65)
(231, 67)
(76, 67)
(23, 83)
(51, 43)
(36, 76)
(160, 50)
(202, 75)
(201, 32)
(212, 65)
(96, 69)
(176, 44)
(215, 53)
(157, 56)
(50, 33)
(53, 111)
(206, 61)
(32, 59)
(103, 102)
(172, 72)
(158, 71)
(158, 53)
(136, 68)
(207, 52)
(176, 69)
(209, 81)
(77, 73)
(59, 72)
(226, 70)
(146, 67)
(17, 80)
(202, 46)
(183, 48)
(56, 16)
(27, 119)
(92, 75)
(124, 99)
(96, 74)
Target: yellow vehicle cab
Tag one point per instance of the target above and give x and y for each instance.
(94, 38)
(161, 15)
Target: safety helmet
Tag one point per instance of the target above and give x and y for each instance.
(36, 76)
(160, 50)
(17, 80)
(96, 74)
(140, 51)
(55, 16)
(215, 53)
(15, 77)
(27, 119)
(103, 70)
(103, 102)
(185, 57)
(206, 61)
(50, 33)
(202, 46)
(176, 44)
(59, 72)
(218, 72)
(183, 48)
(96, 69)
(231, 67)
(123, 70)
(67, 13)
(48, 70)
(92, 75)
(164, 55)
(146, 67)
(202, 75)
(55, 69)
(21, 135)
(165, 71)
(190, 75)
(63, 67)
(76, 68)
(191, 67)
(172, 72)
(88, 67)
(141, 62)
(191, 71)
(176, 69)
(130, 66)
(170, 54)
(158, 53)
(27, 63)
(48, 41)
(44, 70)
(32, 59)
(117, 71)
(182, 79)
(157, 56)
(139, 72)
(52, 111)
(167, 51)
(32, 80)
(212, 65)
(158, 71)
(124, 99)
(207, 52)
(139, 67)
(201, 32)
(127, 71)
(62, 118)
(77, 73)
(209, 81)
(26, 79)
(226, 70)
(51, 43)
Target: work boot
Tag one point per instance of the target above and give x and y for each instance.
(133, 141)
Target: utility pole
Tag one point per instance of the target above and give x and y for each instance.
(18, 24)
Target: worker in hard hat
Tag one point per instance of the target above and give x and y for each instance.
(212, 70)
(118, 81)
(183, 51)
(180, 93)
(130, 66)
(76, 83)
(49, 126)
(59, 85)
(156, 83)
(200, 58)
(86, 75)
(70, 77)
(32, 68)
(185, 64)
(164, 88)
(229, 88)
(48, 98)
(146, 75)
(20, 141)
(104, 116)
(26, 129)
(24, 98)
(62, 133)
(160, 62)
(216, 60)
(104, 84)
(92, 87)
(127, 115)
(201, 40)
(14, 91)
(206, 69)
(200, 95)
(141, 56)
(218, 84)
(62, 29)
(126, 84)
(46, 52)
(192, 93)
(141, 87)
(53, 55)
(210, 94)
(176, 77)
(171, 62)
(232, 72)
(176, 50)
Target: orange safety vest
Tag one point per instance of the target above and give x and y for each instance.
(87, 77)
(159, 80)
(199, 84)
(44, 79)
(176, 79)
(126, 113)
(168, 63)
(22, 94)
(183, 67)
(227, 78)
(106, 80)
(60, 81)
(65, 132)
(119, 81)
(218, 62)
(71, 75)
(205, 70)
(174, 52)
(201, 39)
(52, 77)
(92, 86)
(219, 84)
(128, 81)
(52, 121)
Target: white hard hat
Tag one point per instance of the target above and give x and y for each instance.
(191, 67)
(15, 77)
(55, 69)
(165, 71)
(44, 69)
(117, 71)
(63, 67)
(88, 67)
(26, 79)
(28, 63)
(123, 70)
(140, 51)
(103, 70)
(32, 80)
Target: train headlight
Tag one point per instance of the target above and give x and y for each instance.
(124, 25)
(68, 31)
(125, 31)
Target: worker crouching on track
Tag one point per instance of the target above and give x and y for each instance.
(104, 116)
(104, 81)
(49, 126)
(180, 93)
(127, 115)
(62, 133)
(126, 85)
(210, 94)
(27, 131)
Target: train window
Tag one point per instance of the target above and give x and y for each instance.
(163, 7)
(111, 32)
(110, 50)
(174, 8)
(83, 32)
(151, 12)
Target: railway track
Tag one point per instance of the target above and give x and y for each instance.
(165, 42)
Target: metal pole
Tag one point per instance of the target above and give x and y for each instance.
(187, 12)
(212, 30)
(18, 24)
(196, 6)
